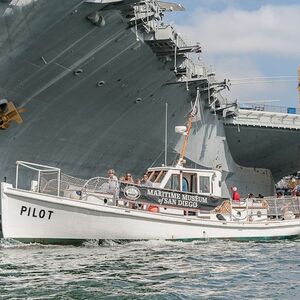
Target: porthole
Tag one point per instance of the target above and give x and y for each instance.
(77, 72)
(100, 83)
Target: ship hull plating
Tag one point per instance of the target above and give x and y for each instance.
(271, 148)
(110, 113)
(95, 98)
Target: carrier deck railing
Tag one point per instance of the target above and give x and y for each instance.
(264, 119)
(269, 108)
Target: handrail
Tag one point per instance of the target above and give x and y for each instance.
(265, 119)
(270, 108)
(28, 164)
(38, 168)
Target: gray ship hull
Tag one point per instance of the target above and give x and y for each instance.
(95, 98)
(112, 114)
(276, 149)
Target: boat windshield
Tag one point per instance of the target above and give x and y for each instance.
(173, 182)
(156, 176)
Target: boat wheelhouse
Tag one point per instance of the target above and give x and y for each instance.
(199, 181)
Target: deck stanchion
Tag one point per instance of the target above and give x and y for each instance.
(58, 183)
(276, 208)
(38, 183)
(17, 175)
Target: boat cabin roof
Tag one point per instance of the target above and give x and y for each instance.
(179, 178)
(180, 168)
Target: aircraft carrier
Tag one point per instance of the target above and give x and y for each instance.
(84, 87)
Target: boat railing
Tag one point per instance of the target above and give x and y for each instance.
(272, 208)
(283, 207)
(50, 180)
(245, 210)
(36, 173)
(99, 185)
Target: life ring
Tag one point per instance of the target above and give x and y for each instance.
(153, 208)
(224, 207)
(264, 204)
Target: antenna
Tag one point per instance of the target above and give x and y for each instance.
(166, 134)
(299, 90)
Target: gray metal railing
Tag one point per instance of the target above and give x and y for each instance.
(269, 108)
(281, 207)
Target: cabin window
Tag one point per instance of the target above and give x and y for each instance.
(154, 175)
(160, 176)
(189, 182)
(150, 175)
(185, 185)
(204, 184)
(173, 183)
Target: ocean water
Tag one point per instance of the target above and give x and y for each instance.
(151, 270)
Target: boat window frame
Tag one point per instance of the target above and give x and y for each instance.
(150, 175)
(183, 178)
(156, 180)
(170, 176)
(209, 176)
(193, 176)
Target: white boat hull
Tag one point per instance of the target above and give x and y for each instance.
(32, 216)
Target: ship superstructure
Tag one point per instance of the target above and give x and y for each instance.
(94, 78)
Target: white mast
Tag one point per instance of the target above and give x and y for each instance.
(166, 134)
(299, 90)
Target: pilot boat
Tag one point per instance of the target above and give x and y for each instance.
(178, 203)
(66, 209)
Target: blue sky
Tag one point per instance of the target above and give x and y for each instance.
(247, 39)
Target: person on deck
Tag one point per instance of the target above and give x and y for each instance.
(296, 190)
(128, 178)
(113, 185)
(250, 199)
(112, 181)
(235, 194)
(145, 181)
